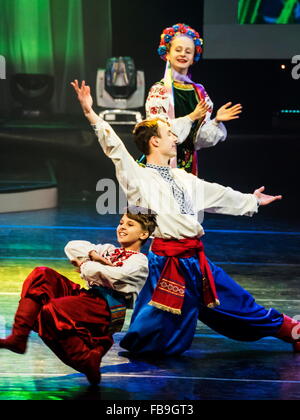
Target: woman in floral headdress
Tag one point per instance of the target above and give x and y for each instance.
(184, 103)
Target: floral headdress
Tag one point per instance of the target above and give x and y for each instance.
(179, 29)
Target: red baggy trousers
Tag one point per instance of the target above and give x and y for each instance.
(68, 310)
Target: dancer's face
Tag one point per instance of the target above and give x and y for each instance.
(130, 232)
(166, 143)
(181, 54)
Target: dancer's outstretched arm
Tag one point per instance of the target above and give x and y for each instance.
(128, 171)
(218, 199)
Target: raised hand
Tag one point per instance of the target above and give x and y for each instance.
(84, 96)
(265, 199)
(228, 112)
(200, 111)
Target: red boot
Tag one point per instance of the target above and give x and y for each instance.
(290, 332)
(25, 318)
(75, 353)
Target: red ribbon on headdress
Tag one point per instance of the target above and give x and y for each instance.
(170, 290)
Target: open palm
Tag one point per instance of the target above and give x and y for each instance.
(228, 112)
(265, 199)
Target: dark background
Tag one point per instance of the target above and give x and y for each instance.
(144, 22)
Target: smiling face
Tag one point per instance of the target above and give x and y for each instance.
(130, 233)
(181, 54)
(166, 142)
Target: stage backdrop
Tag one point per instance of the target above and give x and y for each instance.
(61, 38)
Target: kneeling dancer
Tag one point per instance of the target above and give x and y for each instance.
(77, 324)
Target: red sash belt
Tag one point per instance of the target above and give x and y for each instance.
(170, 290)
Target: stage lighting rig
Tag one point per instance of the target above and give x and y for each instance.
(33, 93)
(120, 90)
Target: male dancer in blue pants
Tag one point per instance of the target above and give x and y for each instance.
(183, 286)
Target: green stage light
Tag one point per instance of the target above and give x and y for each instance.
(287, 12)
(248, 11)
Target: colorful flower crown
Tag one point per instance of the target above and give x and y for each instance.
(179, 29)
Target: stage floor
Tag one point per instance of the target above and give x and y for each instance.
(261, 253)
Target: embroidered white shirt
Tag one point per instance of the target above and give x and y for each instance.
(128, 278)
(145, 187)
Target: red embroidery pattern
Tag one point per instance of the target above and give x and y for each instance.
(119, 255)
(155, 110)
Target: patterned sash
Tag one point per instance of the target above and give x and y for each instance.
(170, 290)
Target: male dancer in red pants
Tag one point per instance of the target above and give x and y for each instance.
(183, 286)
(77, 324)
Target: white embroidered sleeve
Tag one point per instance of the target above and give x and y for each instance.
(129, 173)
(209, 134)
(82, 249)
(129, 278)
(157, 103)
(225, 200)
(157, 106)
(215, 198)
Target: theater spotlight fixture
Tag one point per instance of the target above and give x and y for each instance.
(121, 91)
(33, 93)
